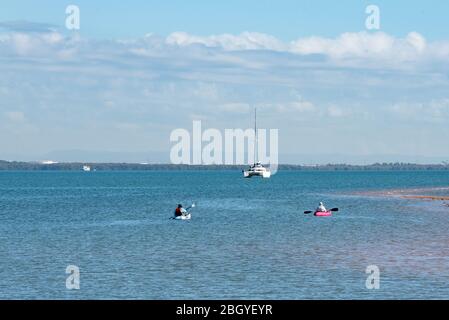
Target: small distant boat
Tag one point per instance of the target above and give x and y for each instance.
(49, 162)
(257, 169)
(87, 168)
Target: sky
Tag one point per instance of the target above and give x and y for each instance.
(136, 70)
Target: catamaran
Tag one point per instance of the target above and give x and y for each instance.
(257, 169)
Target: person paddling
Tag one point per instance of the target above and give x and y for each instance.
(321, 208)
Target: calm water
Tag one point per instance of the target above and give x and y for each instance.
(247, 239)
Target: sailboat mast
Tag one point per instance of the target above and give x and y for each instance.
(255, 135)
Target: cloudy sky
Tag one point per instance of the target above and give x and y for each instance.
(116, 88)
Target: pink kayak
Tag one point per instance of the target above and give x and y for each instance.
(323, 214)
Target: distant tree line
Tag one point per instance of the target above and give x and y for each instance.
(74, 166)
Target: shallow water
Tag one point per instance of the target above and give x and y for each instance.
(248, 239)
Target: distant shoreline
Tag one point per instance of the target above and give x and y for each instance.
(78, 166)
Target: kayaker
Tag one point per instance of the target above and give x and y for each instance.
(321, 208)
(180, 211)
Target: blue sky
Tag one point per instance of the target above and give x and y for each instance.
(139, 69)
(287, 19)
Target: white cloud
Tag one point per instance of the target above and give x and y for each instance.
(43, 40)
(244, 41)
(27, 26)
(67, 85)
(33, 44)
(296, 106)
(15, 116)
(369, 46)
(362, 49)
(436, 111)
(360, 44)
(126, 126)
(302, 106)
(236, 107)
(335, 111)
(368, 49)
(206, 91)
(417, 41)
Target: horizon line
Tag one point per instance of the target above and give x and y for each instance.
(50, 163)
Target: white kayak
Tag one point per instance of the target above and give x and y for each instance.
(183, 217)
(186, 215)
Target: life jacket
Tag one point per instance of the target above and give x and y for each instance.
(178, 212)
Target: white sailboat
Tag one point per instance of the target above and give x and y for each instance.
(257, 169)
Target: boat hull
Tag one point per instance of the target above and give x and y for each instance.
(323, 214)
(184, 217)
(250, 174)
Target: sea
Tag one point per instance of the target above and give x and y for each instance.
(247, 239)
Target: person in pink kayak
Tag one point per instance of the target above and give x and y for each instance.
(321, 208)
